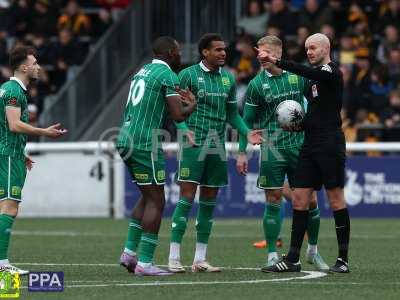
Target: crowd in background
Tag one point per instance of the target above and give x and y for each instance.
(365, 41)
(364, 35)
(62, 31)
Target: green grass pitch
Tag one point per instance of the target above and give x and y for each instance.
(87, 250)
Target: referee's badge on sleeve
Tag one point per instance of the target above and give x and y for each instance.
(314, 90)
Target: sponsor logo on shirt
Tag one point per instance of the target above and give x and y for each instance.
(202, 93)
(141, 176)
(293, 79)
(265, 86)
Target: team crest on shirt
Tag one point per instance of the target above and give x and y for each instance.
(200, 80)
(293, 79)
(201, 93)
(226, 81)
(265, 86)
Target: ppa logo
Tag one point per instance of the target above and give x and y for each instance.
(46, 282)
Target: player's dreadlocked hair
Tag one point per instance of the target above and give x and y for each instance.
(206, 40)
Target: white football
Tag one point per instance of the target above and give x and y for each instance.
(289, 113)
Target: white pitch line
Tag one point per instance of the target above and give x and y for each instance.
(308, 275)
(66, 233)
(114, 265)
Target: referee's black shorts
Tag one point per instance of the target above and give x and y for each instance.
(317, 169)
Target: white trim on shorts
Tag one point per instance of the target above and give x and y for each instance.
(154, 173)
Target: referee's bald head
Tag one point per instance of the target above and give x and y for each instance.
(318, 48)
(319, 38)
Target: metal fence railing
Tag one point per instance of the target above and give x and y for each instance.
(124, 47)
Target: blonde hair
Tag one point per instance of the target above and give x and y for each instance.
(270, 40)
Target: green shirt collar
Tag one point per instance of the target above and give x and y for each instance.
(19, 82)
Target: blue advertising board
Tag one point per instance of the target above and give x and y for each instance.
(372, 189)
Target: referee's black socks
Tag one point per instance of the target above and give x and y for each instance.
(299, 227)
(342, 222)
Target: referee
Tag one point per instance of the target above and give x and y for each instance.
(323, 154)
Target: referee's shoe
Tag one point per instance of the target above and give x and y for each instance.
(340, 266)
(283, 265)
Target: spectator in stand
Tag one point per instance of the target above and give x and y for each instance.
(390, 15)
(42, 47)
(389, 42)
(335, 13)
(394, 66)
(294, 49)
(377, 97)
(347, 50)
(312, 15)
(42, 19)
(360, 79)
(66, 53)
(21, 12)
(390, 117)
(102, 23)
(362, 35)
(3, 48)
(74, 19)
(115, 6)
(282, 18)
(110, 4)
(256, 19)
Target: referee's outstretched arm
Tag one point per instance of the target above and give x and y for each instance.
(322, 73)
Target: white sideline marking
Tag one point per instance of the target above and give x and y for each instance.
(308, 275)
(215, 235)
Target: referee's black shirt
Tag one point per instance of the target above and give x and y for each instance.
(322, 123)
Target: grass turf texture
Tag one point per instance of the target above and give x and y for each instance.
(374, 261)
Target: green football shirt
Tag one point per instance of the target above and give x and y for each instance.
(13, 93)
(146, 108)
(265, 92)
(213, 91)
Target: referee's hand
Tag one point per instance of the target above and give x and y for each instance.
(242, 164)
